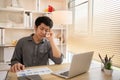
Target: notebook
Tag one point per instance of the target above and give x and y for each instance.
(80, 64)
(3, 75)
(4, 69)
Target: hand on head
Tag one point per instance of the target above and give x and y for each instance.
(50, 35)
(17, 67)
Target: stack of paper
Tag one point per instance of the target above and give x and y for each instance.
(3, 75)
(35, 71)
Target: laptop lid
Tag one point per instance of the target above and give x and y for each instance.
(80, 63)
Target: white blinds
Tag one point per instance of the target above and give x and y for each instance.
(106, 28)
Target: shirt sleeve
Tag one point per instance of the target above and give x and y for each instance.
(54, 59)
(17, 55)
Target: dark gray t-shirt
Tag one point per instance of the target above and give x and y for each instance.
(29, 53)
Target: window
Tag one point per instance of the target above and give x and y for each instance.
(81, 19)
(80, 10)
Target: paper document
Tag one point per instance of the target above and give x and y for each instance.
(35, 71)
(3, 75)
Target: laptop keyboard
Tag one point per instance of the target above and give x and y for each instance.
(65, 73)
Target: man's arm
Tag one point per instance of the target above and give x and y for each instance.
(17, 56)
(55, 51)
(16, 61)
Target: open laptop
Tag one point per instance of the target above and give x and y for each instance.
(80, 64)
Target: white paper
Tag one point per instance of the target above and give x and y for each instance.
(3, 75)
(39, 71)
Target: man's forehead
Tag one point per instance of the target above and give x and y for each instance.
(44, 26)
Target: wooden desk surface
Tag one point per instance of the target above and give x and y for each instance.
(94, 73)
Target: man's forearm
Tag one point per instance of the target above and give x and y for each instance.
(55, 50)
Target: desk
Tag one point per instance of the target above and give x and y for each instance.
(94, 73)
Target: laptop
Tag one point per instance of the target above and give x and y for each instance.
(79, 65)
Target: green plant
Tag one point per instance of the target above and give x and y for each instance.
(108, 65)
(107, 62)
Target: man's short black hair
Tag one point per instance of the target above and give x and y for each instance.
(44, 19)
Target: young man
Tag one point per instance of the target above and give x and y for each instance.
(36, 49)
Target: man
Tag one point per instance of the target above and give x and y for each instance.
(36, 49)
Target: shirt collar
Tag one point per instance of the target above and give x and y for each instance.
(30, 38)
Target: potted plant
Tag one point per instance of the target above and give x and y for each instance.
(107, 68)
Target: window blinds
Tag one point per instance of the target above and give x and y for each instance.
(104, 21)
(106, 29)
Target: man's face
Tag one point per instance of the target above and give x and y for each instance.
(41, 30)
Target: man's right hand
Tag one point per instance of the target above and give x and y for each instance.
(17, 67)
